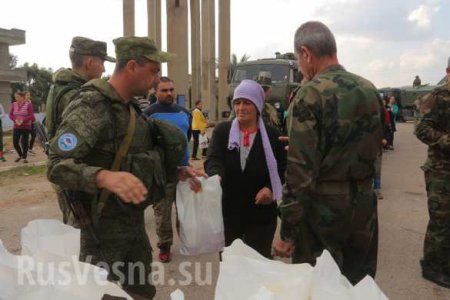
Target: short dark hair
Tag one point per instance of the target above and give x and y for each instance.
(120, 64)
(162, 79)
(76, 59)
(317, 37)
(198, 102)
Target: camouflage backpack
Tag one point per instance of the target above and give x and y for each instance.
(56, 93)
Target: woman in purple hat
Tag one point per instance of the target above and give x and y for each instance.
(251, 162)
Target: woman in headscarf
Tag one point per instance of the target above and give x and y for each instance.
(251, 162)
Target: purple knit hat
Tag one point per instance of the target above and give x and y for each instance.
(251, 90)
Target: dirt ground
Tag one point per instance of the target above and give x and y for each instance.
(402, 216)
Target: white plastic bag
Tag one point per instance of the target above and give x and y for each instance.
(203, 141)
(200, 216)
(51, 237)
(177, 295)
(47, 275)
(246, 275)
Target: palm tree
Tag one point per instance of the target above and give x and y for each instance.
(233, 63)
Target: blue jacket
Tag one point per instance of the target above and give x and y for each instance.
(175, 114)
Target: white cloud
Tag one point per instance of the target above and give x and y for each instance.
(422, 16)
(430, 55)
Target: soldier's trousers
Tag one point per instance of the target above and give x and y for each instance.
(128, 260)
(347, 226)
(163, 215)
(436, 247)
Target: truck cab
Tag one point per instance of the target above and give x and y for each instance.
(283, 71)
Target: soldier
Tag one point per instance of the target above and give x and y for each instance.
(96, 125)
(417, 81)
(87, 58)
(269, 112)
(433, 129)
(334, 131)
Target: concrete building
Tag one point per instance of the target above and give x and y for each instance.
(9, 38)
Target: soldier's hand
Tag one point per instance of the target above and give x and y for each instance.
(264, 196)
(191, 174)
(125, 185)
(283, 249)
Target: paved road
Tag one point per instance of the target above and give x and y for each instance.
(403, 218)
(402, 214)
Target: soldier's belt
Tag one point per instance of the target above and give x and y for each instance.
(343, 187)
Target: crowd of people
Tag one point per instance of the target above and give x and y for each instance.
(112, 152)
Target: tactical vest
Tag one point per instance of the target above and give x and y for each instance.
(157, 148)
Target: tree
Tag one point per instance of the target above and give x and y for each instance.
(38, 83)
(233, 63)
(12, 61)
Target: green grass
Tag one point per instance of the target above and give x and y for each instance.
(24, 171)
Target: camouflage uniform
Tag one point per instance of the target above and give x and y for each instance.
(97, 121)
(66, 84)
(433, 129)
(62, 78)
(334, 131)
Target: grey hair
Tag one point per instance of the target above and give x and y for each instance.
(317, 37)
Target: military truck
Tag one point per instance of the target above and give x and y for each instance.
(407, 98)
(284, 73)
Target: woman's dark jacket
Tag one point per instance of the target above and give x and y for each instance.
(240, 187)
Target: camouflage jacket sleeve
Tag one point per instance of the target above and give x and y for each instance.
(303, 159)
(83, 125)
(432, 128)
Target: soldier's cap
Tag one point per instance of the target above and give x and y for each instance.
(134, 47)
(264, 79)
(85, 46)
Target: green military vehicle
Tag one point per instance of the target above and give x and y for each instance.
(408, 98)
(283, 71)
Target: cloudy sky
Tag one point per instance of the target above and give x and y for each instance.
(386, 41)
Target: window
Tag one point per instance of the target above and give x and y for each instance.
(279, 73)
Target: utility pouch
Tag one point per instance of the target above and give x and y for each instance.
(148, 167)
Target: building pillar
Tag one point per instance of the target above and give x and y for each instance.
(195, 52)
(128, 17)
(177, 43)
(208, 58)
(154, 21)
(224, 55)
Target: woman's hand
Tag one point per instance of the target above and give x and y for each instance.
(283, 249)
(264, 196)
(190, 174)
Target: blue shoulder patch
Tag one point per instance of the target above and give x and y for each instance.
(67, 142)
